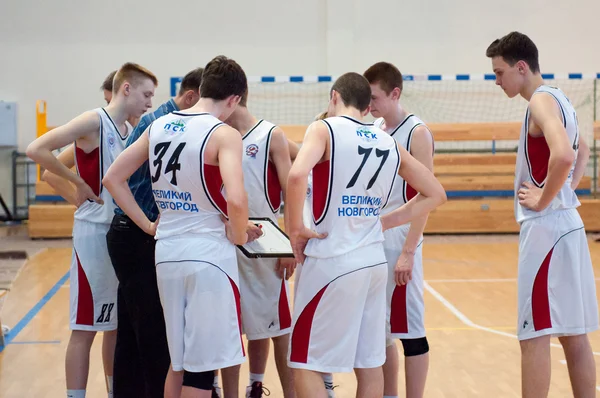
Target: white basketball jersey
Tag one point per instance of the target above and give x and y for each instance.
(260, 175)
(350, 189)
(93, 165)
(188, 192)
(402, 191)
(533, 156)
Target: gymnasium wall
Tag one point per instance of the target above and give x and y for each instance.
(63, 55)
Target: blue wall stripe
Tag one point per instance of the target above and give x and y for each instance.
(325, 79)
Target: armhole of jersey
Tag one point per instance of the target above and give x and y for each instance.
(266, 172)
(395, 175)
(101, 152)
(202, 177)
(526, 150)
(149, 128)
(330, 182)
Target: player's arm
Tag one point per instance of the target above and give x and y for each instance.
(311, 153)
(230, 165)
(430, 195)
(116, 178)
(293, 149)
(583, 156)
(545, 113)
(40, 150)
(280, 155)
(63, 187)
(421, 148)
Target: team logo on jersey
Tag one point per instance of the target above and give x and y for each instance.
(176, 126)
(252, 150)
(366, 135)
(111, 139)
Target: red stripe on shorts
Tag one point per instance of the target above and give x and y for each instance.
(85, 301)
(285, 318)
(236, 294)
(398, 313)
(540, 304)
(302, 328)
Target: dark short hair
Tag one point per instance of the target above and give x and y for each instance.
(515, 47)
(108, 82)
(222, 78)
(386, 74)
(191, 81)
(354, 90)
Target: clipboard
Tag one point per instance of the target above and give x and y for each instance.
(273, 243)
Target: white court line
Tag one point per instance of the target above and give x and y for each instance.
(464, 319)
(477, 280)
(471, 280)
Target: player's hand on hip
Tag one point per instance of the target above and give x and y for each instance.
(152, 225)
(254, 231)
(299, 239)
(529, 196)
(285, 267)
(404, 267)
(84, 192)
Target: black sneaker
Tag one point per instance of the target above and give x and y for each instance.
(256, 390)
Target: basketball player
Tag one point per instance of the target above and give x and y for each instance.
(107, 88)
(339, 311)
(557, 292)
(196, 263)
(263, 282)
(403, 245)
(99, 136)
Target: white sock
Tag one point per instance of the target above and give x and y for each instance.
(216, 381)
(256, 377)
(75, 393)
(109, 383)
(328, 380)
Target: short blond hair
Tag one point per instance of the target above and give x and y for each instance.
(321, 116)
(132, 73)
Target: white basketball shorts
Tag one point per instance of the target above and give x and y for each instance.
(339, 312)
(405, 305)
(199, 291)
(93, 283)
(264, 298)
(557, 289)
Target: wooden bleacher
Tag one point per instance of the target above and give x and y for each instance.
(479, 187)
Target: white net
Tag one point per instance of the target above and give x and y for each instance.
(434, 101)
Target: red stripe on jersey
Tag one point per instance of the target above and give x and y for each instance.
(398, 313)
(214, 182)
(236, 294)
(538, 154)
(273, 187)
(302, 329)
(410, 192)
(285, 318)
(85, 301)
(320, 188)
(88, 167)
(540, 303)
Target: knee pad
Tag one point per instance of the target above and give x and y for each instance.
(414, 347)
(201, 380)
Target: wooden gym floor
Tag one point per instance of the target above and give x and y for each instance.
(470, 297)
